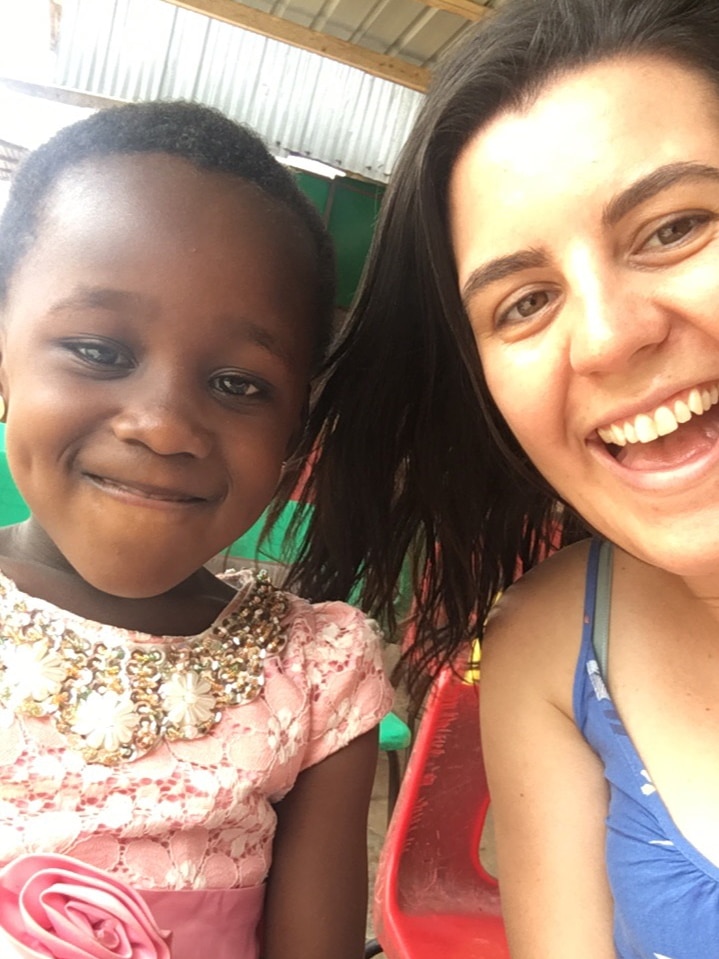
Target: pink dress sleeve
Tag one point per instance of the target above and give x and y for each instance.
(349, 692)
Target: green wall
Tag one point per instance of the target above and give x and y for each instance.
(349, 208)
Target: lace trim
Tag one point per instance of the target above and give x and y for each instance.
(115, 703)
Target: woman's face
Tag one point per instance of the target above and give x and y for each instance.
(586, 235)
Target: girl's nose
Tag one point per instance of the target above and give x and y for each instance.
(161, 414)
(613, 321)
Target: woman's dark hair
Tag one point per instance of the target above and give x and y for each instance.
(414, 459)
(199, 134)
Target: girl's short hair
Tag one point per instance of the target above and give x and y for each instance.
(415, 459)
(196, 133)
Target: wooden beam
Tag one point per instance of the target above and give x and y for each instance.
(75, 98)
(462, 8)
(379, 65)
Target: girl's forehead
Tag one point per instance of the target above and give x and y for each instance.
(161, 182)
(158, 232)
(118, 212)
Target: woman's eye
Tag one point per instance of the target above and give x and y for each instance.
(526, 308)
(237, 384)
(676, 230)
(102, 354)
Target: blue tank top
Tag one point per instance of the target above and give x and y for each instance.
(666, 894)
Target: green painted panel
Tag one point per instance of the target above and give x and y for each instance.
(349, 208)
(316, 188)
(351, 222)
(273, 549)
(12, 505)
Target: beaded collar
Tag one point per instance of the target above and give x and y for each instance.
(114, 703)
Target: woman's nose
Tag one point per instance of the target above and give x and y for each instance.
(613, 321)
(162, 413)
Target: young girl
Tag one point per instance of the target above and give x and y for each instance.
(186, 761)
(539, 335)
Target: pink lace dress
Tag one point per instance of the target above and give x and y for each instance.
(189, 823)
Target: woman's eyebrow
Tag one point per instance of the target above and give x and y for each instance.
(636, 193)
(499, 268)
(653, 183)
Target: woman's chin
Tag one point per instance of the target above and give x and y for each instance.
(691, 556)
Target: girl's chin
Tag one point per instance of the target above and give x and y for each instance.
(134, 583)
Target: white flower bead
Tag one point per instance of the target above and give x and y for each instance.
(33, 671)
(188, 701)
(106, 720)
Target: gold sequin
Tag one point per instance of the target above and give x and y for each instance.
(115, 703)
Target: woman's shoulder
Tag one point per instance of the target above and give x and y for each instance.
(534, 631)
(547, 593)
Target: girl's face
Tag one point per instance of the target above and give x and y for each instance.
(586, 235)
(156, 348)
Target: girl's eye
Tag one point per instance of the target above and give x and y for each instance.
(669, 234)
(527, 307)
(106, 355)
(238, 384)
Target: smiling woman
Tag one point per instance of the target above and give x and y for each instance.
(604, 308)
(538, 332)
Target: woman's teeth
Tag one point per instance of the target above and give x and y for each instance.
(646, 427)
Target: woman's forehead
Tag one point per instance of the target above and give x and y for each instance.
(587, 134)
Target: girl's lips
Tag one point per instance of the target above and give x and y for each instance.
(142, 492)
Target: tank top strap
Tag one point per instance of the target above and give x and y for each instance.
(597, 600)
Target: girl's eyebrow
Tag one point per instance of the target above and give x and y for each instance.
(89, 297)
(619, 206)
(94, 297)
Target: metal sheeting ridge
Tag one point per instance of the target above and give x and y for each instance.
(298, 101)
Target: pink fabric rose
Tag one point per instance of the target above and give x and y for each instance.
(58, 907)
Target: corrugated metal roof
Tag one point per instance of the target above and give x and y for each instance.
(298, 101)
(10, 156)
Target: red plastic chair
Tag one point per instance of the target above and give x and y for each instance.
(433, 897)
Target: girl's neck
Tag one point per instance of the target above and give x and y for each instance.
(36, 566)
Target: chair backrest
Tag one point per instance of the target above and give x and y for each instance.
(433, 896)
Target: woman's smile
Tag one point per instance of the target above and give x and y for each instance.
(604, 309)
(647, 426)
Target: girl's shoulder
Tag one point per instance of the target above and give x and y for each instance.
(324, 630)
(331, 658)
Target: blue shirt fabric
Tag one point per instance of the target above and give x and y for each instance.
(666, 894)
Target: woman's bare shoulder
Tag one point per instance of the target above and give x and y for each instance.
(534, 631)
